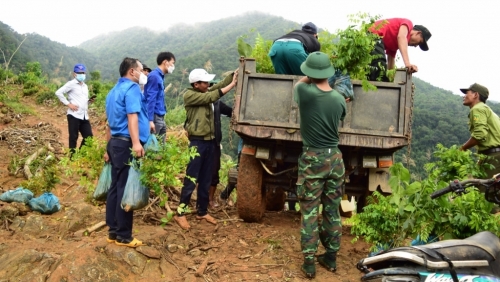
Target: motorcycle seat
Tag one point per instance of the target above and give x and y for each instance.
(481, 246)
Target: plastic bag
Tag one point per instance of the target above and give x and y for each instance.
(19, 195)
(136, 195)
(101, 191)
(342, 83)
(152, 144)
(47, 203)
(418, 241)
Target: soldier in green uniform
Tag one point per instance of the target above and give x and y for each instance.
(484, 126)
(321, 168)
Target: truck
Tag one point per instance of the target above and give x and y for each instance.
(266, 117)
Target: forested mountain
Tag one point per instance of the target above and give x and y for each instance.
(57, 59)
(192, 45)
(439, 116)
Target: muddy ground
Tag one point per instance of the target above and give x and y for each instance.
(36, 247)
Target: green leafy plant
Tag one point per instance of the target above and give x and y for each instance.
(87, 162)
(226, 164)
(352, 50)
(409, 211)
(45, 174)
(259, 52)
(162, 168)
(175, 116)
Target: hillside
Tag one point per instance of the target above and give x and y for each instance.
(57, 59)
(193, 45)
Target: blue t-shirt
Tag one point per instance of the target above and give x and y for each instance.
(126, 98)
(155, 95)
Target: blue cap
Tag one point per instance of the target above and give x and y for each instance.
(79, 68)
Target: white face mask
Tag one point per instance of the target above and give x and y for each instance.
(171, 69)
(143, 79)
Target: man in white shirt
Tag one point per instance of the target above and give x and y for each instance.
(77, 101)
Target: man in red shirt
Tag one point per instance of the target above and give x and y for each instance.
(396, 34)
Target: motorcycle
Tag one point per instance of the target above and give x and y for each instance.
(473, 259)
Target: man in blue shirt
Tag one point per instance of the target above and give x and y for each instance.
(155, 95)
(128, 131)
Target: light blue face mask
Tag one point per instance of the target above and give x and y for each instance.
(80, 77)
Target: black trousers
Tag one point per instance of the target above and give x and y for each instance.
(119, 221)
(381, 61)
(199, 168)
(75, 126)
(216, 168)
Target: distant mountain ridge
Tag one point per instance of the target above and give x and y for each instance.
(193, 45)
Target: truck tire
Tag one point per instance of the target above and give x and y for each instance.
(251, 201)
(275, 199)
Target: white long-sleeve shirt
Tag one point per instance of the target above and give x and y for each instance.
(78, 94)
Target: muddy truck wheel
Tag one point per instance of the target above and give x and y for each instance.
(251, 195)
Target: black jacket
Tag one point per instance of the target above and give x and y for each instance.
(220, 108)
(310, 42)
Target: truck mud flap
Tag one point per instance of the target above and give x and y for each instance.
(379, 177)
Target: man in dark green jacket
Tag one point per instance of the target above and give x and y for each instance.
(200, 128)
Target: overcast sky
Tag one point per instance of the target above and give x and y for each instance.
(463, 48)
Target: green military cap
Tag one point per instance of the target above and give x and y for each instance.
(483, 91)
(317, 65)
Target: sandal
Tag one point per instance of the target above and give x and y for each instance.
(182, 221)
(111, 238)
(208, 218)
(133, 244)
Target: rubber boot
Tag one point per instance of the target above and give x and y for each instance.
(309, 268)
(328, 261)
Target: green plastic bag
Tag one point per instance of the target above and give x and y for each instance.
(136, 195)
(101, 191)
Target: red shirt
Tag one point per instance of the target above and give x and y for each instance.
(388, 30)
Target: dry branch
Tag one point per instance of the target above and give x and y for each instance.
(31, 158)
(199, 272)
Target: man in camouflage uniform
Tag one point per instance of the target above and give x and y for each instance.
(321, 168)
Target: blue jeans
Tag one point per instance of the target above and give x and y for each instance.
(199, 168)
(118, 220)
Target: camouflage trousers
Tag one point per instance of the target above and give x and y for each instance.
(320, 179)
